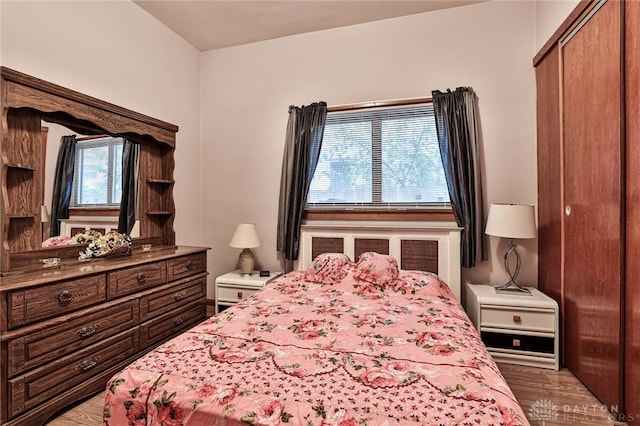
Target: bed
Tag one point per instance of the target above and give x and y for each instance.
(341, 342)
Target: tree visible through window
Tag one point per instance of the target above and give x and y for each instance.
(382, 157)
(97, 178)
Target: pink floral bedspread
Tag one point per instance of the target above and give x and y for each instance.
(308, 353)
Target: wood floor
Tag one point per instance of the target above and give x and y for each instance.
(550, 397)
(547, 398)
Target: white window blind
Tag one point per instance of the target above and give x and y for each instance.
(379, 158)
(97, 178)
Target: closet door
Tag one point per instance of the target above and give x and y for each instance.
(632, 279)
(592, 159)
(549, 176)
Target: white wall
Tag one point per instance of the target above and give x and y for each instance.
(115, 51)
(230, 172)
(549, 14)
(247, 91)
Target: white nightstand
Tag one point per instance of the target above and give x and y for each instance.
(517, 329)
(233, 287)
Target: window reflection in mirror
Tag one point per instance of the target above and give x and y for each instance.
(97, 173)
(97, 187)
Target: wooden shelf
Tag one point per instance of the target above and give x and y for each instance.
(160, 212)
(21, 167)
(161, 181)
(22, 215)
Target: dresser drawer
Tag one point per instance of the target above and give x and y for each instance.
(185, 266)
(31, 389)
(36, 303)
(165, 326)
(40, 347)
(518, 318)
(132, 280)
(234, 294)
(170, 297)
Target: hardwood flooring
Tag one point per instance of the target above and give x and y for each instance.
(85, 413)
(547, 398)
(550, 397)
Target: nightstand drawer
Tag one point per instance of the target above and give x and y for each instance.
(518, 342)
(234, 294)
(518, 318)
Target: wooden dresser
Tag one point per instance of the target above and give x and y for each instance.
(65, 330)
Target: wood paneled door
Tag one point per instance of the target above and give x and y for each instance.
(632, 234)
(592, 157)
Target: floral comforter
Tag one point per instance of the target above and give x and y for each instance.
(342, 352)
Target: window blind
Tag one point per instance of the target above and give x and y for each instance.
(379, 157)
(97, 179)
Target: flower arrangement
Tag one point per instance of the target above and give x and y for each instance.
(85, 237)
(98, 245)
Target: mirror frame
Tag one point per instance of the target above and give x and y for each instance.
(25, 100)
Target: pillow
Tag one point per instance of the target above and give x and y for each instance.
(56, 241)
(376, 268)
(327, 268)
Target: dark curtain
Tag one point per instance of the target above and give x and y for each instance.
(63, 183)
(457, 129)
(305, 129)
(127, 217)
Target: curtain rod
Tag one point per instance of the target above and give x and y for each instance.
(378, 104)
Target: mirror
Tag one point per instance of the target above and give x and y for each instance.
(100, 218)
(26, 102)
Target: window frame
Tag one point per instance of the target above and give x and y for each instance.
(96, 142)
(431, 213)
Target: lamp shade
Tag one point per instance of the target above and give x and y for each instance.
(511, 221)
(245, 236)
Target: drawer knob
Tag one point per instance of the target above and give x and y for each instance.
(516, 343)
(87, 331)
(141, 278)
(178, 321)
(65, 297)
(239, 295)
(179, 296)
(189, 264)
(516, 318)
(88, 363)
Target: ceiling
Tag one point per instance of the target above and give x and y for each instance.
(215, 24)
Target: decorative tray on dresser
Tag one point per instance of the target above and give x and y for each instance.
(64, 330)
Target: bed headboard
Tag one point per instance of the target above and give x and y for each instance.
(433, 247)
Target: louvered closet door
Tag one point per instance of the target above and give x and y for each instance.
(591, 79)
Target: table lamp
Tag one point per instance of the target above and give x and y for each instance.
(511, 221)
(246, 238)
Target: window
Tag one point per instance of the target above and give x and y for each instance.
(379, 158)
(97, 179)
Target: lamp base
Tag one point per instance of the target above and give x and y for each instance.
(247, 262)
(512, 288)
